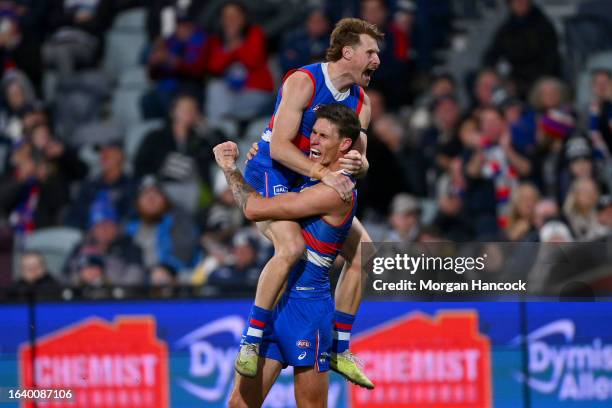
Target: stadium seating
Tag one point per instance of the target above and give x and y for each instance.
(125, 42)
(55, 244)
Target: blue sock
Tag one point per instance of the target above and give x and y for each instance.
(343, 324)
(258, 320)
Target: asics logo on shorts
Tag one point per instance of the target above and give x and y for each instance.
(302, 356)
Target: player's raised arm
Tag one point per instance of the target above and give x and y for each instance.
(316, 200)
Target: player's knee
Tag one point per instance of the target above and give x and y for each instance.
(292, 250)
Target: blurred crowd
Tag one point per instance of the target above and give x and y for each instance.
(504, 154)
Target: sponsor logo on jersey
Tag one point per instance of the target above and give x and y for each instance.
(280, 189)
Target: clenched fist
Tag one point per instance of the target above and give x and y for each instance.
(226, 154)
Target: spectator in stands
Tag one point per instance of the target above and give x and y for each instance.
(244, 87)
(440, 85)
(393, 76)
(578, 163)
(112, 181)
(404, 219)
(439, 142)
(221, 222)
(580, 209)
(604, 211)
(33, 196)
(521, 213)
(554, 127)
(180, 153)
(34, 278)
(163, 280)
(385, 145)
(306, 44)
(165, 234)
(525, 46)
(62, 158)
(162, 15)
(177, 64)
(122, 257)
(548, 93)
(545, 210)
(223, 216)
(23, 30)
(600, 112)
(18, 99)
(486, 84)
(243, 270)
(450, 190)
(523, 125)
(492, 169)
(91, 280)
(77, 29)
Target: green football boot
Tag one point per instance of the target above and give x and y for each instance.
(347, 365)
(246, 361)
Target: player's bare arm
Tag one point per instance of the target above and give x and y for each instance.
(297, 92)
(316, 200)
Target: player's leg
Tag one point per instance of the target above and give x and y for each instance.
(311, 387)
(349, 292)
(288, 248)
(251, 392)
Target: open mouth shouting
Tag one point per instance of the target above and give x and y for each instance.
(314, 154)
(367, 73)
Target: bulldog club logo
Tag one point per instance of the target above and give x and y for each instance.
(420, 361)
(105, 364)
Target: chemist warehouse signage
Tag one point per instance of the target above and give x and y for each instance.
(420, 361)
(104, 364)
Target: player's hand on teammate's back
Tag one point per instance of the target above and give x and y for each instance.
(226, 154)
(341, 183)
(252, 151)
(351, 162)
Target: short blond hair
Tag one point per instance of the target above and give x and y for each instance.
(346, 33)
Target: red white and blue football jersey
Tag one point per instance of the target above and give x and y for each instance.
(309, 278)
(324, 93)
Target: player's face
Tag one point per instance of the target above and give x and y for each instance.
(365, 59)
(324, 142)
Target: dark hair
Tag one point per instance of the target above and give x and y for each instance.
(346, 33)
(343, 117)
(444, 76)
(601, 71)
(245, 12)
